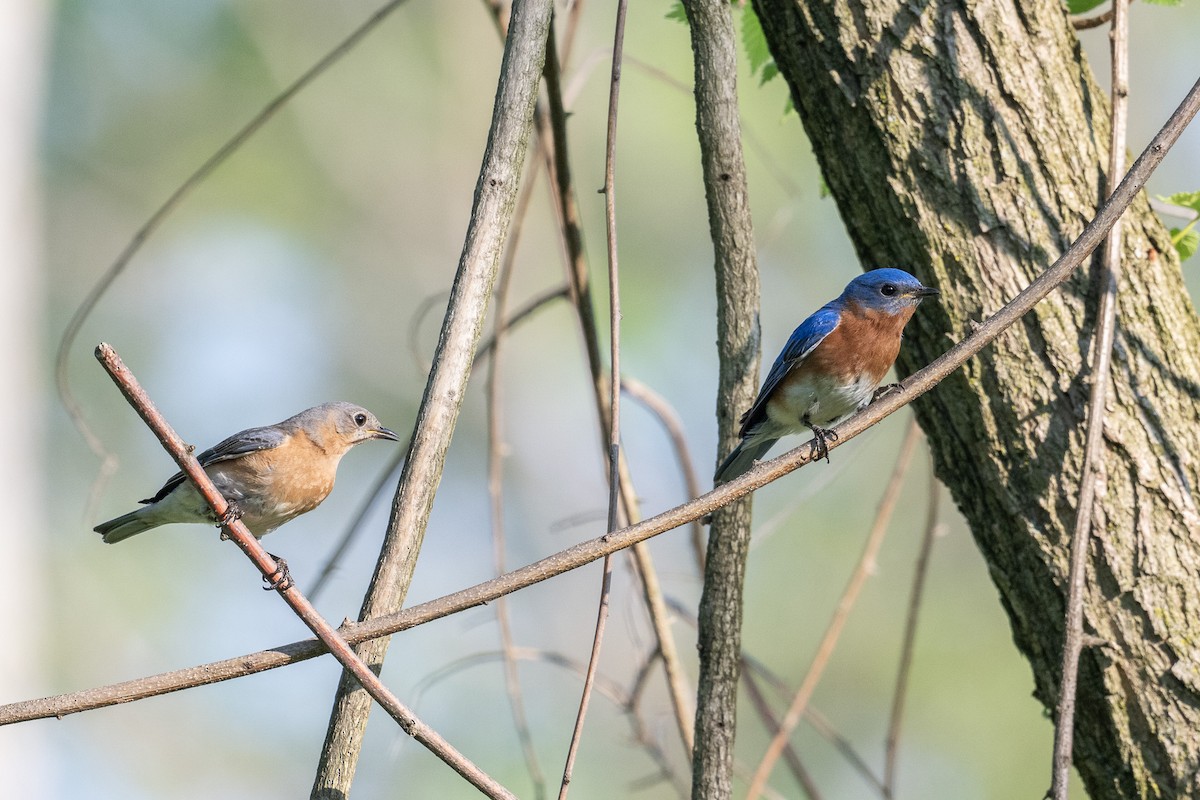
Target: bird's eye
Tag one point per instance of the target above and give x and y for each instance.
(360, 419)
(887, 290)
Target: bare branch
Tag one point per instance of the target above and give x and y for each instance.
(1102, 345)
(865, 566)
(495, 195)
(910, 637)
(495, 485)
(274, 573)
(614, 397)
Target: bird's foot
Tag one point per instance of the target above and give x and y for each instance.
(281, 579)
(232, 511)
(887, 388)
(821, 439)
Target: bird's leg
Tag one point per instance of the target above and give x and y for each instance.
(281, 579)
(887, 388)
(821, 439)
(232, 511)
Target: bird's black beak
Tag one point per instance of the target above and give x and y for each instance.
(925, 291)
(384, 433)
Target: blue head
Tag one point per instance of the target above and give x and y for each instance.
(892, 291)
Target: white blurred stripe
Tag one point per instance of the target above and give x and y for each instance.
(24, 761)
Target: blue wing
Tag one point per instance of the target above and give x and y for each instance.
(800, 344)
(240, 444)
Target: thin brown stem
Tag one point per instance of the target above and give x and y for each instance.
(495, 483)
(790, 756)
(614, 398)
(1091, 474)
(578, 278)
(273, 574)
(865, 566)
(910, 636)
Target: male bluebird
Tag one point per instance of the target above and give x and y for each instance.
(830, 366)
(269, 475)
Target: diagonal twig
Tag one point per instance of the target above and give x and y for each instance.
(271, 570)
(1091, 473)
(865, 566)
(916, 385)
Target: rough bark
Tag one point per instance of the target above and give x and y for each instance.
(738, 341)
(967, 142)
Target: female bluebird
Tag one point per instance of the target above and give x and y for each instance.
(269, 475)
(830, 366)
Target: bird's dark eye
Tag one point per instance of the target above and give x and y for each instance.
(360, 419)
(887, 290)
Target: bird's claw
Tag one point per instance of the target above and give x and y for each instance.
(281, 579)
(820, 445)
(232, 512)
(885, 389)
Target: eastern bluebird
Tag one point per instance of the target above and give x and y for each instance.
(270, 475)
(830, 366)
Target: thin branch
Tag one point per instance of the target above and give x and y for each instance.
(586, 552)
(274, 573)
(1092, 471)
(578, 278)
(491, 214)
(210, 165)
(865, 566)
(1092, 22)
(614, 398)
(771, 722)
(495, 484)
(910, 637)
(666, 415)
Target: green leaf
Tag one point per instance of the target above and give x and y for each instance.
(1165, 2)
(677, 13)
(1186, 199)
(1185, 244)
(754, 40)
(1082, 6)
(769, 71)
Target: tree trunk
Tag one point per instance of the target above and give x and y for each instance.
(967, 142)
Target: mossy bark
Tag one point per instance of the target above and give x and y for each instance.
(966, 141)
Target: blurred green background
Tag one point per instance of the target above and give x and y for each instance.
(296, 275)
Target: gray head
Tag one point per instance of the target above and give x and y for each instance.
(889, 290)
(340, 423)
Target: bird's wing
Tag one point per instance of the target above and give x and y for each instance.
(248, 441)
(800, 344)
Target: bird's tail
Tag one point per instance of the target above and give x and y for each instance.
(742, 458)
(126, 525)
